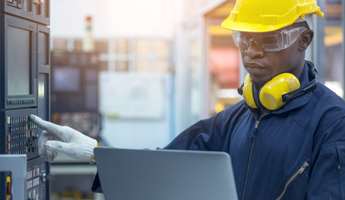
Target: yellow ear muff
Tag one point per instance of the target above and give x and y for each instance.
(248, 92)
(271, 93)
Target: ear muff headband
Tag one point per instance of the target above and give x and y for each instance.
(256, 94)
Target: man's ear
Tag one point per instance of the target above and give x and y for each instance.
(305, 39)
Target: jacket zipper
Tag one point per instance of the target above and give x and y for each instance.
(300, 171)
(251, 152)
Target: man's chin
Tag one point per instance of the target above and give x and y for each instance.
(259, 83)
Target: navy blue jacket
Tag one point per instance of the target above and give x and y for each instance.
(296, 152)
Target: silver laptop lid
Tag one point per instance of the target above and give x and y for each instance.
(127, 174)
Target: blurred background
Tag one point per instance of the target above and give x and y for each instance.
(134, 73)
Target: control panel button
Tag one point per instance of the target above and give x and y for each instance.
(8, 138)
(37, 171)
(8, 120)
(29, 184)
(8, 146)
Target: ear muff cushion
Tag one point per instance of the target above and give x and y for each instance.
(271, 93)
(248, 92)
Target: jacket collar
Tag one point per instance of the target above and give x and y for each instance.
(299, 101)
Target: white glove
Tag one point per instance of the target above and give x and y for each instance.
(55, 139)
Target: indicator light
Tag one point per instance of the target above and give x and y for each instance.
(39, 1)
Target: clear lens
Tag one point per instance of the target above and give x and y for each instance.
(273, 41)
(235, 37)
(270, 41)
(242, 39)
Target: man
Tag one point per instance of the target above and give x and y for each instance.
(285, 142)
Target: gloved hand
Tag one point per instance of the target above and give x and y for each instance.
(55, 139)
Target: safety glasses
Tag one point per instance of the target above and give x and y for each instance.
(269, 41)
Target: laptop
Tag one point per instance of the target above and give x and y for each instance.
(128, 174)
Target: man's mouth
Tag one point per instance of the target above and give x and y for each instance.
(253, 67)
(251, 64)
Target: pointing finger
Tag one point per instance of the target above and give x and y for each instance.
(48, 126)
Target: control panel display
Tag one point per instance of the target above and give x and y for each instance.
(19, 88)
(18, 60)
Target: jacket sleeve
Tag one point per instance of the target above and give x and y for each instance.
(327, 179)
(204, 135)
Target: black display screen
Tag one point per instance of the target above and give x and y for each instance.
(66, 79)
(18, 61)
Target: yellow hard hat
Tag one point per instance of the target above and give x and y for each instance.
(268, 15)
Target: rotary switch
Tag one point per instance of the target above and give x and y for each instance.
(49, 177)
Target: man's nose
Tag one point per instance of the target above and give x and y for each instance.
(253, 50)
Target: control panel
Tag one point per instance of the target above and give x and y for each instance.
(21, 135)
(38, 174)
(24, 90)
